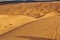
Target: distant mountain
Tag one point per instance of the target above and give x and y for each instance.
(13, 2)
(20, 1)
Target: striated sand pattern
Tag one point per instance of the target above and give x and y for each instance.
(42, 29)
(36, 9)
(20, 21)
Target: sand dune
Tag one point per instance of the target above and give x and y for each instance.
(12, 22)
(42, 29)
(36, 9)
(38, 20)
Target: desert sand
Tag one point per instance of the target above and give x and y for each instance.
(30, 21)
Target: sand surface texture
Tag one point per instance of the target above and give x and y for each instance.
(30, 21)
(42, 29)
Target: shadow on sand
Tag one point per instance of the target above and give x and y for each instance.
(34, 38)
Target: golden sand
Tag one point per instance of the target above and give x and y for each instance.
(36, 9)
(36, 20)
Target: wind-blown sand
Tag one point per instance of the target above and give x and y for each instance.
(42, 29)
(34, 9)
(45, 17)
